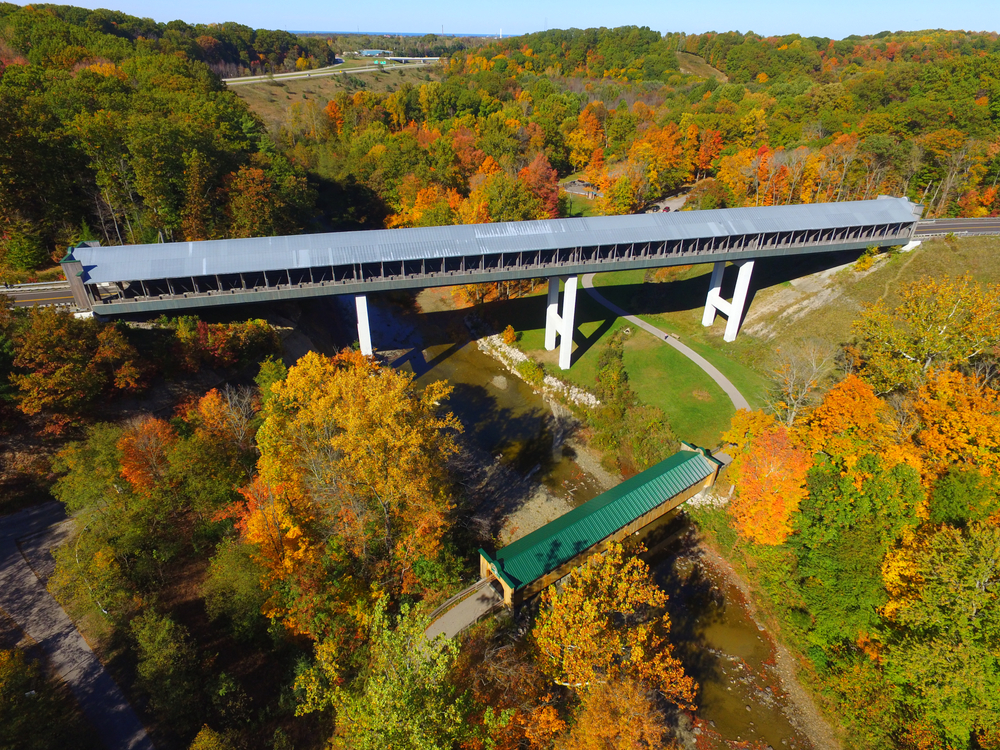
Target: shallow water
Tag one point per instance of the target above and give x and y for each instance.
(501, 413)
(739, 701)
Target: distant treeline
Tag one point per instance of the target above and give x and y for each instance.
(228, 48)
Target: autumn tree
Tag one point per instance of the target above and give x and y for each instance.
(939, 323)
(196, 214)
(849, 423)
(402, 696)
(542, 181)
(145, 447)
(617, 716)
(352, 487)
(501, 675)
(208, 739)
(63, 364)
(960, 423)
(946, 622)
(607, 624)
(425, 205)
(770, 477)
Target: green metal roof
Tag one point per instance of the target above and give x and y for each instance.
(545, 549)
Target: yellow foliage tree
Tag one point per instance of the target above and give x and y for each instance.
(606, 624)
(938, 323)
(617, 716)
(358, 448)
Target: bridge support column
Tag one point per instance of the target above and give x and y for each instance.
(732, 310)
(561, 324)
(364, 331)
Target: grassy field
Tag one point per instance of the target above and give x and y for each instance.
(577, 205)
(698, 409)
(694, 65)
(938, 258)
(272, 99)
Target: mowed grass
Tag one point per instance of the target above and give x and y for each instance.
(698, 409)
(578, 205)
(676, 307)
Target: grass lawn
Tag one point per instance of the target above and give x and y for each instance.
(697, 408)
(577, 205)
(677, 307)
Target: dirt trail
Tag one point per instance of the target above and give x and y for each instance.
(804, 713)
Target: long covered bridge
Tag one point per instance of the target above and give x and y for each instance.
(167, 277)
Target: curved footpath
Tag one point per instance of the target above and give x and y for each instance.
(24, 597)
(735, 396)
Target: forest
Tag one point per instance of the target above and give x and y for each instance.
(489, 138)
(258, 559)
(867, 507)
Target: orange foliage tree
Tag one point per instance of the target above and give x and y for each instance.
(770, 475)
(65, 364)
(617, 716)
(960, 420)
(145, 454)
(848, 424)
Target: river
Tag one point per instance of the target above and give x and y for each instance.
(740, 701)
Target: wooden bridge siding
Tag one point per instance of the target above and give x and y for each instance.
(515, 598)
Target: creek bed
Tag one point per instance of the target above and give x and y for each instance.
(740, 700)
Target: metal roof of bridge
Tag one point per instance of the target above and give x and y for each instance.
(557, 542)
(186, 259)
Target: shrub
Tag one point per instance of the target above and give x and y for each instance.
(510, 336)
(531, 371)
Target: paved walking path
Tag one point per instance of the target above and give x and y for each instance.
(24, 597)
(735, 396)
(466, 612)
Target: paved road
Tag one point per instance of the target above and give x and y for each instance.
(24, 597)
(30, 298)
(318, 73)
(963, 226)
(734, 395)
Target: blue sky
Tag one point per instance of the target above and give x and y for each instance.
(833, 18)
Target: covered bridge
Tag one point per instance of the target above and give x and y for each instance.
(547, 554)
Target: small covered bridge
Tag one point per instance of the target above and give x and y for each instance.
(547, 554)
